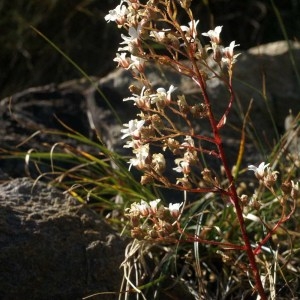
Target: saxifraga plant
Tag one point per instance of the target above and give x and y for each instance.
(158, 139)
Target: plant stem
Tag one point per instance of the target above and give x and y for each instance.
(239, 213)
(232, 189)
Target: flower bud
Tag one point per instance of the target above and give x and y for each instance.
(138, 233)
(184, 181)
(217, 54)
(182, 104)
(255, 204)
(206, 175)
(158, 163)
(286, 187)
(145, 179)
(199, 111)
(147, 132)
(185, 4)
(162, 213)
(157, 121)
(173, 145)
(135, 220)
(244, 199)
(270, 178)
(173, 41)
(153, 234)
(168, 227)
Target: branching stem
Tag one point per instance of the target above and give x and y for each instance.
(232, 188)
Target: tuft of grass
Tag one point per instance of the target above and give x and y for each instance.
(91, 173)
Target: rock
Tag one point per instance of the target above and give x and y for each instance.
(270, 67)
(52, 247)
(29, 120)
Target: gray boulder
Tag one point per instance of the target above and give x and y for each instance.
(52, 247)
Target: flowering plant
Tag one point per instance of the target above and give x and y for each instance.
(162, 145)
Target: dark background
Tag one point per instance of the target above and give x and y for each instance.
(78, 28)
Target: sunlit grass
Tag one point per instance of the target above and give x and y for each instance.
(98, 178)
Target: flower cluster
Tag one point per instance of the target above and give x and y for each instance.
(268, 178)
(153, 221)
(143, 24)
(219, 52)
(154, 23)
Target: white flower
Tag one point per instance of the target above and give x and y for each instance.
(228, 56)
(214, 35)
(135, 144)
(143, 207)
(153, 206)
(159, 36)
(259, 171)
(133, 128)
(183, 166)
(131, 40)
(191, 31)
(137, 63)
(174, 209)
(142, 154)
(162, 95)
(122, 60)
(140, 101)
(189, 142)
(116, 14)
(133, 210)
(162, 92)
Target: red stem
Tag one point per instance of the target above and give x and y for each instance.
(232, 189)
(218, 141)
(227, 246)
